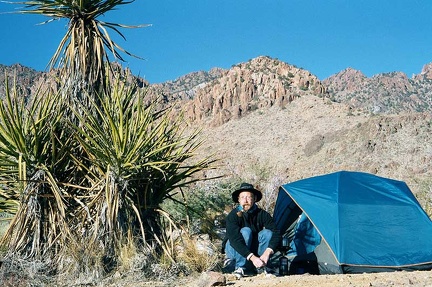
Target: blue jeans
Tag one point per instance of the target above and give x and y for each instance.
(264, 237)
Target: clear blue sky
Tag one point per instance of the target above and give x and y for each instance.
(324, 37)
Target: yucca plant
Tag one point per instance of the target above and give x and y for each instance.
(90, 166)
(83, 51)
(101, 180)
(139, 157)
(34, 148)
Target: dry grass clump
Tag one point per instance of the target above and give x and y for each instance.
(198, 253)
(16, 272)
(87, 268)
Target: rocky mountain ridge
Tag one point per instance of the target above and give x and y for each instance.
(263, 82)
(267, 117)
(219, 95)
(383, 93)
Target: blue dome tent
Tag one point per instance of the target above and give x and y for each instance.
(354, 222)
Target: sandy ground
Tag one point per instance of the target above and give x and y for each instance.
(413, 279)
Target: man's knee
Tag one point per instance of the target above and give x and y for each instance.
(246, 233)
(265, 234)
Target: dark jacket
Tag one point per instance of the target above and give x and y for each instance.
(257, 220)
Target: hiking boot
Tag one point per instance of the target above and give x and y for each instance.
(228, 265)
(227, 262)
(261, 270)
(266, 271)
(239, 273)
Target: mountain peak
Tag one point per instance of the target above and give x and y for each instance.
(261, 82)
(350, 74)
(427, 71)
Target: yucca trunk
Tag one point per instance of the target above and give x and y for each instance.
(39, 227)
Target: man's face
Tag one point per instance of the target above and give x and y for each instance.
(246, 199)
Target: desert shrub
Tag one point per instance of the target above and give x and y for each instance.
(197, 252)
(198, 206)
(5, 219)
(202, 207)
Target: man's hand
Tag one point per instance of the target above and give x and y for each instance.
(266, 255)
(257, 261)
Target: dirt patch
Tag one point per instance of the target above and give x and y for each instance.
(400, 278)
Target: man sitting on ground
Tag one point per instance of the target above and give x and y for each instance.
(251, 234)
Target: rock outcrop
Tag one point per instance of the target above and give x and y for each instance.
(260, 83)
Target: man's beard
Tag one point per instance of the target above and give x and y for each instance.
(246, 207)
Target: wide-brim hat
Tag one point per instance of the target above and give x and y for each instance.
(246, 187)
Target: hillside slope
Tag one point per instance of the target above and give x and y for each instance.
(312, 136)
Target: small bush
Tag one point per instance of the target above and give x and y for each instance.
(198, 253)
(199, 206)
